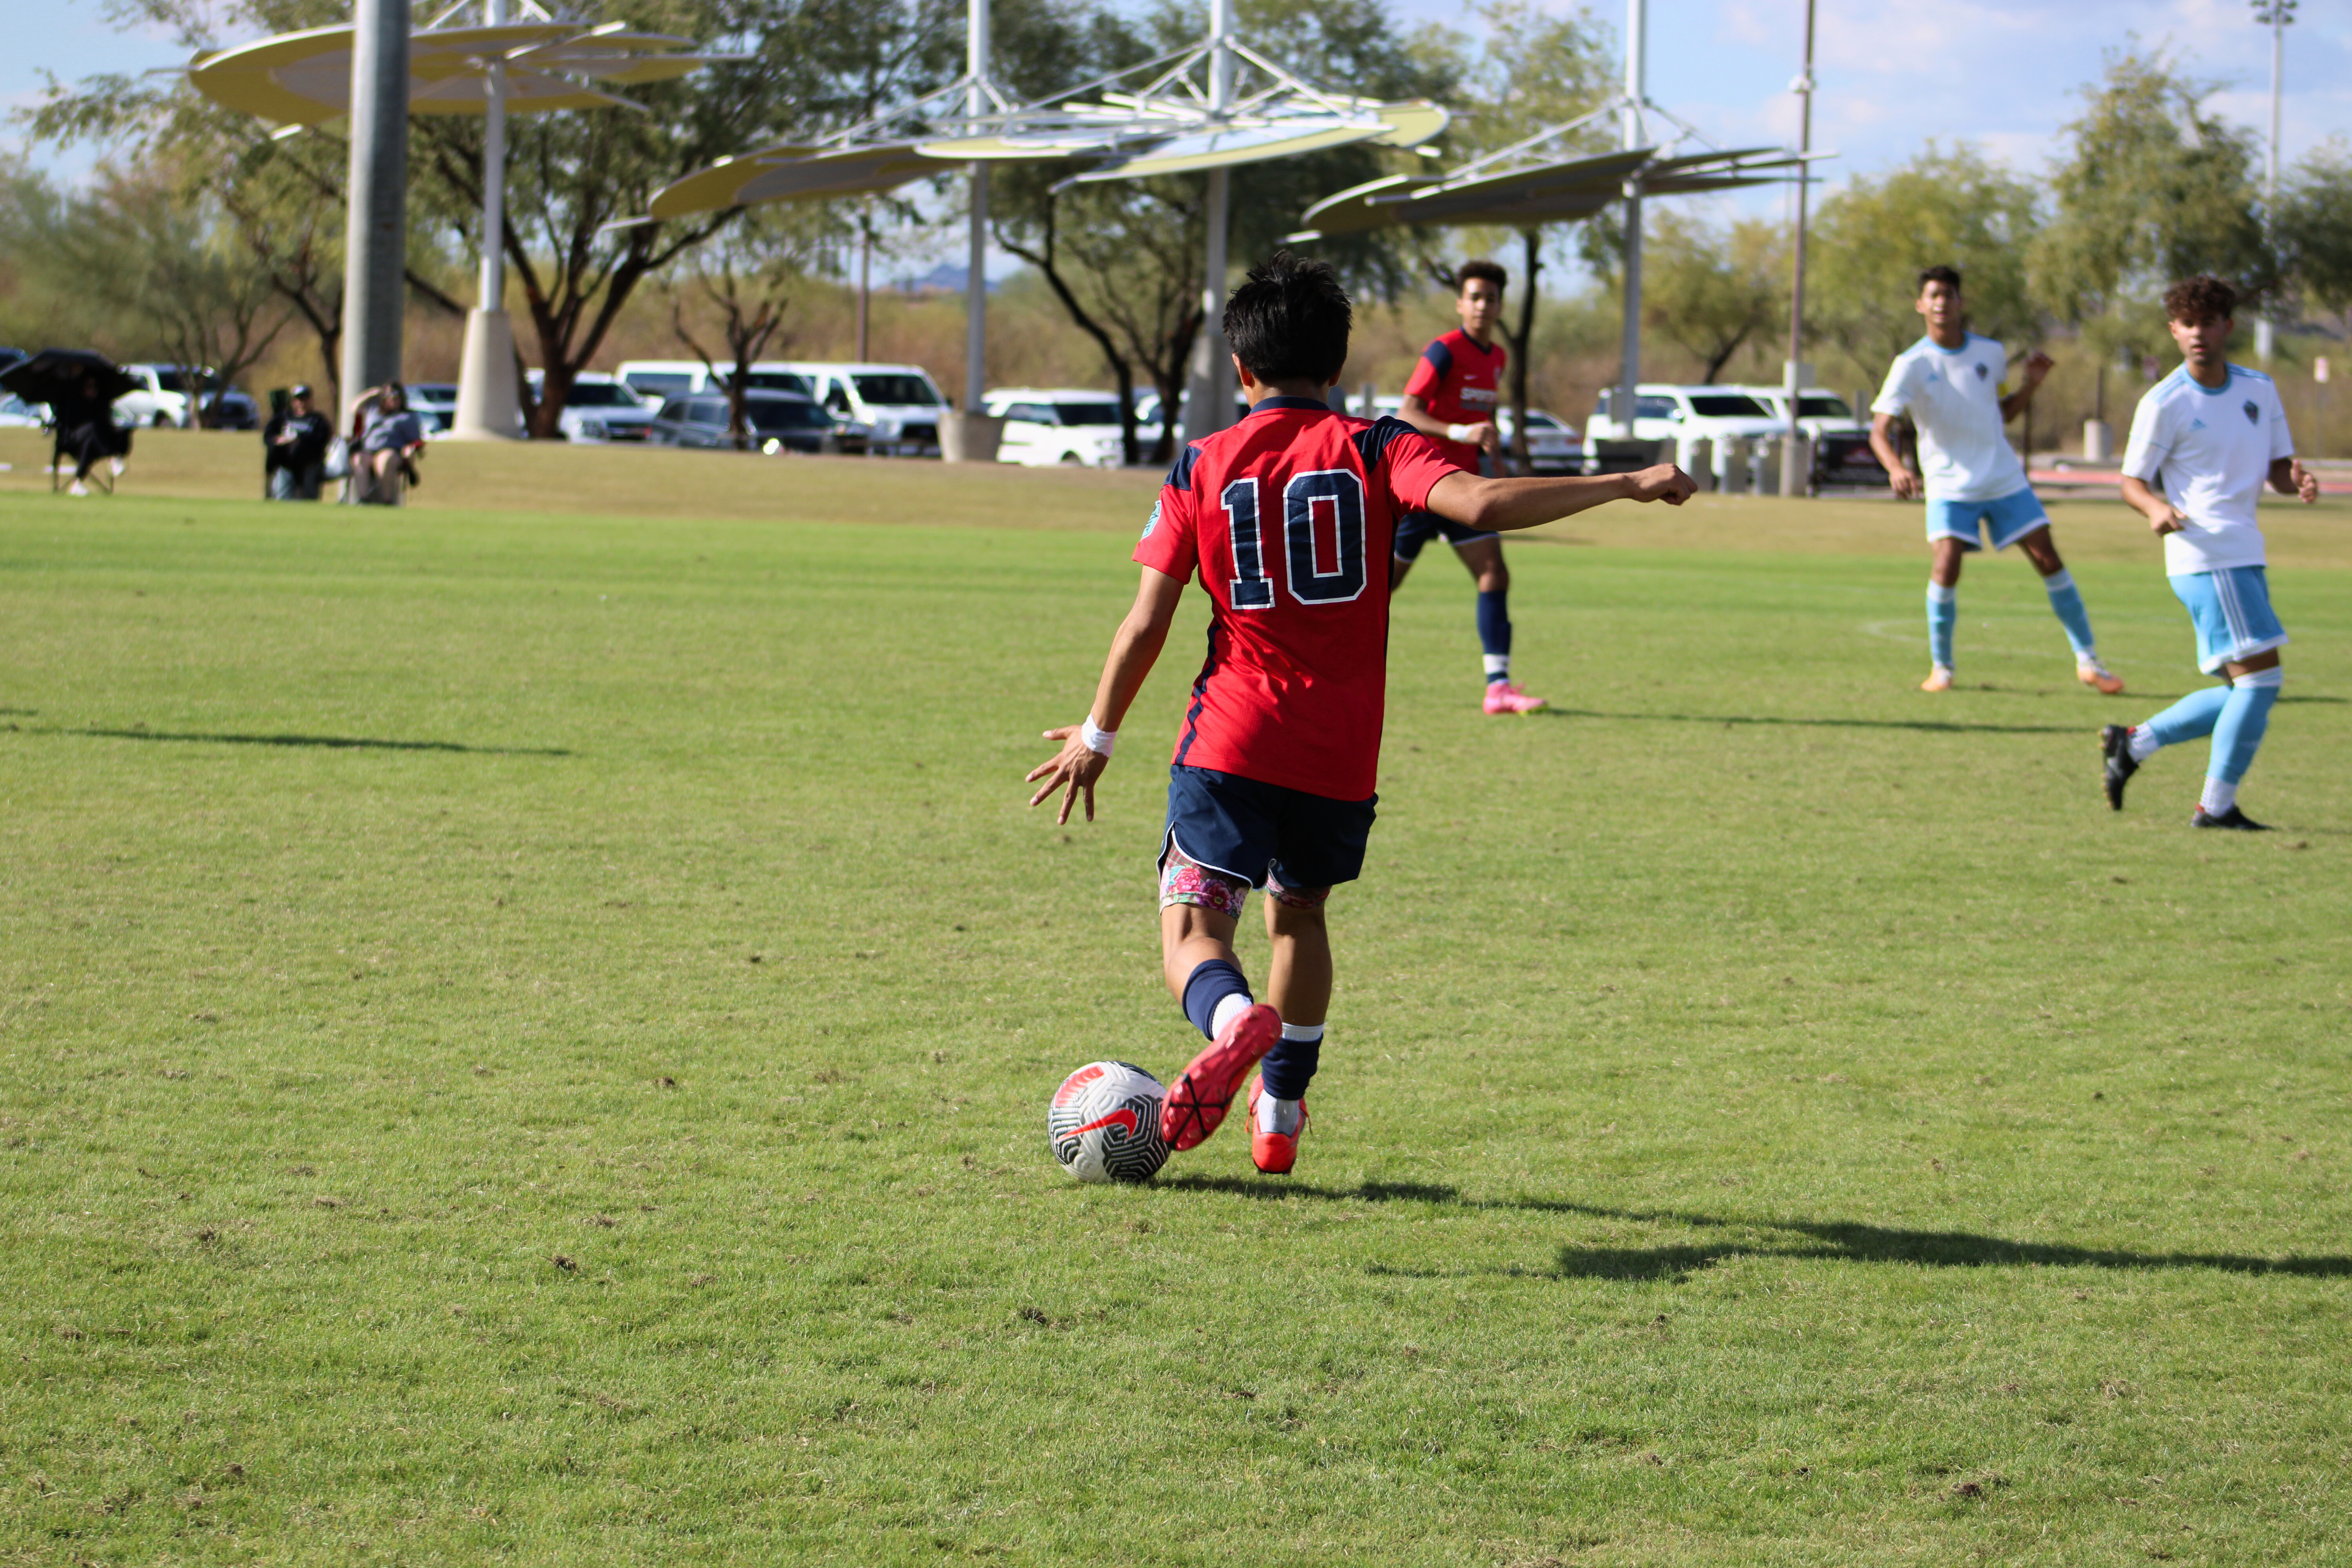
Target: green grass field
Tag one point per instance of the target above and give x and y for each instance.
(527, 1038)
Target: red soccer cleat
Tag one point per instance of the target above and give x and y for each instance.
(1273, 1153)
(1502, 696)
(1197, 1102)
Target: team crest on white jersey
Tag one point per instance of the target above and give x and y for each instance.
(2253, 412)
(1981, 371)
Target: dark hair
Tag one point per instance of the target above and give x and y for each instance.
(1939, 273)
(1491, 271)
(1289, 320)
(2204, 298)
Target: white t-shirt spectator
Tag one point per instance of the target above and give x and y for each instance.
(1953, 395)
(2214, 447)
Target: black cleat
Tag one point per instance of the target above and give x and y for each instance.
(2115, 745)
(2232, 817)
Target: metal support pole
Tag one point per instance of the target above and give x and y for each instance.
(1795, 478)
(2277, 16)
(969, 434)
(376, 238)
(864, 273)
(1630, 370)
(489, 406)
(1210, 406)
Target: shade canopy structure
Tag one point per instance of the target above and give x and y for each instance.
(305, 77)
(56, 375)
(495, 68)
(1206, 107)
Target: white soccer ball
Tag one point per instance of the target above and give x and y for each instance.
(1104, 1123)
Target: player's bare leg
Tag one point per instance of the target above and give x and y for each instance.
(1943, 585)
(2066, 603)
(1199, 909)
(1299, 985)
(1483, 558)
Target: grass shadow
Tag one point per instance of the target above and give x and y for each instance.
(1833, 1240)
(329, 742)
(1931, 726)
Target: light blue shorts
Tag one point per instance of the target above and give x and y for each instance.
(2012, 517)
(2231, 609)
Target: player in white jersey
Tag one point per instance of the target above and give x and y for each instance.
(1955, 386)
(2213, 432)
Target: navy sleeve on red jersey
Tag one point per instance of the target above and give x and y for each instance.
(1400, 458)
(1170, 542)
(1429, 373)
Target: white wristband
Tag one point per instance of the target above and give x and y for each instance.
(1100, 740)
(1457, 432)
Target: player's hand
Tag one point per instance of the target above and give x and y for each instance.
(1072, 771)
(2168, 519)
(1665, 482)
(2306, 483)
(2037, 369)
(1487, 436)
(1905, 484)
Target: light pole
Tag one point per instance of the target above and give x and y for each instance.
(1793, 482)
(1210, 388)
(375, 239)
(1630, 343)
(2275, 15)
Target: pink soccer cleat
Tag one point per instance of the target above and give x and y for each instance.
(1939, 680)
(2101, 678)
(1198, 1100)
(1503, 697)
(1273, 1153)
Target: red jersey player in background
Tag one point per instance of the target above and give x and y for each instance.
(1450, 397)
(1288, 518)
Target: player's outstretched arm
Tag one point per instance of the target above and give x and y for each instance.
(1499, 506)
(1134, 649)
(2290, 477)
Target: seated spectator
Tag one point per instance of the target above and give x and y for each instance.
(294, 448)
(86, 431)
(390, 437)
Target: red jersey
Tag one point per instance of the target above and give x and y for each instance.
(1457, 380)
(1289, 517)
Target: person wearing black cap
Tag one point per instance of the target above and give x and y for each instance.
(294, 448)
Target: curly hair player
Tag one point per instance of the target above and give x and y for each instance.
(2211, 432)
(1288, 518)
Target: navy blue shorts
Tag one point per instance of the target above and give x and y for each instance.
(1418, 527)
(1249, 831)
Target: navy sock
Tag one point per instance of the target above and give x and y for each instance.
(1211, 983)
(1495, 629)
(1290, 1067)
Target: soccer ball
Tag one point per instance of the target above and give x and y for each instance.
(1104, 1123)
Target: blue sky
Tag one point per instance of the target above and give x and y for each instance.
(2001, 73)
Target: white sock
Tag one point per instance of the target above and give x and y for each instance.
(2220, 795)
(2144, 743)
(1939, 595)
(1498, 666)
(1283, 1116)
(1232, 1007)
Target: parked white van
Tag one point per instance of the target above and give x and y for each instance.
(1668, 412)
(1046, 425)
(656, 379)
(898, 404)
(1819, 412)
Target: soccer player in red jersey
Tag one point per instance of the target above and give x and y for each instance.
(1288, 518)
(1450, 397)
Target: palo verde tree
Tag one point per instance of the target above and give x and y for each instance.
(2154, 187)
(1710, 290)
(744, 277)
(1869, 242)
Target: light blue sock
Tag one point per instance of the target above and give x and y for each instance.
(1943, 615)
(2237, 733)
(2191, 717)
(2066, 603)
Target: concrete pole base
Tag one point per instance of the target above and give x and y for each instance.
(2099, 441)
(966, 437)
(490, 405)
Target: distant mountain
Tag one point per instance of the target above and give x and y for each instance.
(944, 278)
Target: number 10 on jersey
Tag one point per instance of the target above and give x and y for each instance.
(1337, 494)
